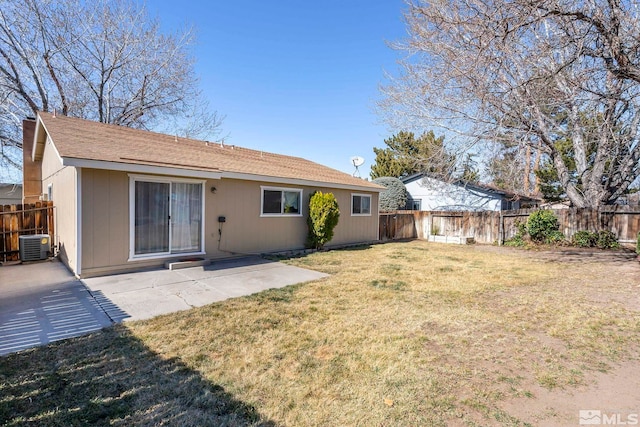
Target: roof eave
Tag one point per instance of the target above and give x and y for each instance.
(300, 181)
(196, 173)
(140, 168)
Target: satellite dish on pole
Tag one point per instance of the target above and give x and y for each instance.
(357, 161)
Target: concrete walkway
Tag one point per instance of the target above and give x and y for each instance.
(44, 302)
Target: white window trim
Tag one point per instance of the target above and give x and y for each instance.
(281, 214)
(370, 204)
(132, 211)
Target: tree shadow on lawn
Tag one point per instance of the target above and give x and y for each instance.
(112, 378)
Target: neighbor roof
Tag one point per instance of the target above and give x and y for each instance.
(477, 186)
(86, 143)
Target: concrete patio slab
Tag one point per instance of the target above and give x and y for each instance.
(143, 295)
(43, 302)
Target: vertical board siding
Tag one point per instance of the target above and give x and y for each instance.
(495, 227)
(20, 220)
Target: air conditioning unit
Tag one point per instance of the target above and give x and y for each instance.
(35, 247)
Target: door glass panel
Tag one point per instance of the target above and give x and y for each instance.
(186, 217)
(151, 217)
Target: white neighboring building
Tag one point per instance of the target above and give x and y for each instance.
(429, 194)
(10, 194)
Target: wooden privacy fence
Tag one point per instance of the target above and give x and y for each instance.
(19, 220)
(496, 227)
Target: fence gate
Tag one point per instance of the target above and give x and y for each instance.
(20, 220)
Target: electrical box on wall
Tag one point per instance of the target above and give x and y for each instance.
(222, 219)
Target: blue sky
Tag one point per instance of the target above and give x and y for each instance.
(291, 77)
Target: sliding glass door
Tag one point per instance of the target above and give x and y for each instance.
(167, 217)
(186, 217)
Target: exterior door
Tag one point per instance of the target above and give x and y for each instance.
(167, 217)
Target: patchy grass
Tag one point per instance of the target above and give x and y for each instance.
(400, 334)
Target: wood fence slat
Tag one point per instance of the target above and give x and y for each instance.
(14, 226)
(3, 238)
(495, 227)
(18, 220)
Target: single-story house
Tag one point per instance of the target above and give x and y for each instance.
(631, 199)
(563, 204)
(10, 194)
(430, 194)
(128, 198)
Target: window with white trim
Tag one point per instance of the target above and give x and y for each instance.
(361, 204)
(281, 201)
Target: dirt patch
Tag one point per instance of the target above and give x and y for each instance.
(609, 279)
(564, 254)
(613, 393)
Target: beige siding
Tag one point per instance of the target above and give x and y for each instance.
(105, 221)
(354, 229)
(246, 231)
(51, 163)
(63, 181)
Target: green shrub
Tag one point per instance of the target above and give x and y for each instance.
(607, 240)
(543, 227)
(323, 218)
(394, 197)
(638, 244)
(555, 238)
(603, 239)
(584, 239)
(516, 241)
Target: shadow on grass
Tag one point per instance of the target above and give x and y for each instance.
(360, 247)
(112, 378)
(281, 256)
(572, 255)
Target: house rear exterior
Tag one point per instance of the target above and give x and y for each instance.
(127, 199)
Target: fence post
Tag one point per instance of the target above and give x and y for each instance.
(51, 223)
(500, 230)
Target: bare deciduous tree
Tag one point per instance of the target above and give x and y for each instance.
(530, 72)
(103, 60)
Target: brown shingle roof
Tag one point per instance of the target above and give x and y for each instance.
(83, 139)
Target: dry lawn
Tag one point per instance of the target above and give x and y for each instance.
(400, 334)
